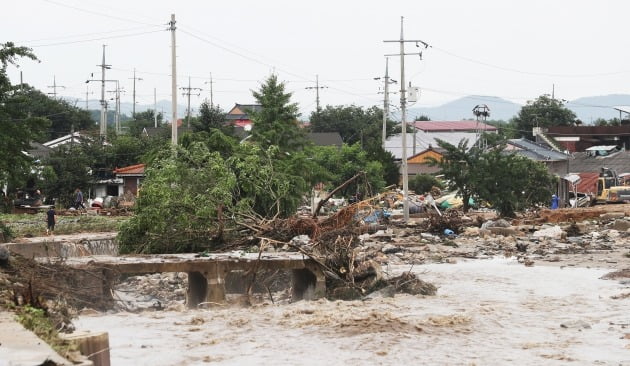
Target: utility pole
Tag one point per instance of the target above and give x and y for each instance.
(103, 124)
(117, 105)
(154, 108)
(188, 92)
(87, 93)
(403, 102)
(133, 109)
(211, 97)
(386, 80)
(173, 82)
(316, 87)
(54, 87)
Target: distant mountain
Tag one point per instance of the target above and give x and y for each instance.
(460, 109)
(588, 109)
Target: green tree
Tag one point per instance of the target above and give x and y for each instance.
(507, 181)
(543, 112)
(67, 168)
(342, 164)
(422, 183)
(422, 117)
(193, 198)
(211, 118)
(186, 195)
(64, 117)
(459, 165)
(17, 128)
(362, 126)
(511, 182)
(276, 123)
(354, 124)
(142, 120)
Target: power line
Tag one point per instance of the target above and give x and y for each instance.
(503, 68)
(81, 35)
(241, 55)
(97, 13)
(95, 39)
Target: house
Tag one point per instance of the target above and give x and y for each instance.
(325, 138)
(239, 114)
(557, 162)
(164, 131)
(70, 138)
(580, 138)
(421, 162)
(38, 151)
(424, 140)
(132, 177)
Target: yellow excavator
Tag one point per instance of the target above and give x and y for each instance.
(610, 188)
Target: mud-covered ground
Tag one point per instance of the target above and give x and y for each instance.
(508, 293)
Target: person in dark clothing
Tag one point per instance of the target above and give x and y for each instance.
(78, 200)
(50, 221)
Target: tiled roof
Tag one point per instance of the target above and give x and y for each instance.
(583, 162)
(436, 126)
(137, 169)
(325, 138)
(536, 151)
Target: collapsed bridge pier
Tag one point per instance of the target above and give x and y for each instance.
(207, 274)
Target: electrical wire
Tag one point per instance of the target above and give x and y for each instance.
(508, 69)
(81, 35)
(240, 54)
(98, 13)
(95, 39)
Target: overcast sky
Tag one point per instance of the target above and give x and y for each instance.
(515, 50)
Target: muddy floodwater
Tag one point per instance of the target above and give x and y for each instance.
(486, 312)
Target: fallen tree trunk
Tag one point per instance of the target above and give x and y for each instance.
(344, 185)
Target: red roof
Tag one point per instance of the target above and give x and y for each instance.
(587, 183)
(242, 123)
(137, 169)
(441, 126)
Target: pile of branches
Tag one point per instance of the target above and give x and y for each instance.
(437, 223)
(332, 243)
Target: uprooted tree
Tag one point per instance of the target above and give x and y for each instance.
(195, 199)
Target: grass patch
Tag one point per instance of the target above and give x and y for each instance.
(37, 321)
(25, 225)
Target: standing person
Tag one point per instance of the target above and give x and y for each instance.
(51, 219)
(78, 200)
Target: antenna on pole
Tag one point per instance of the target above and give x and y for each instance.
(481, 110)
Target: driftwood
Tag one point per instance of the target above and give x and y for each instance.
(344, 185)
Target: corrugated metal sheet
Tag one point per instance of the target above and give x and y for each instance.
(461, 126)
(426, 139)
